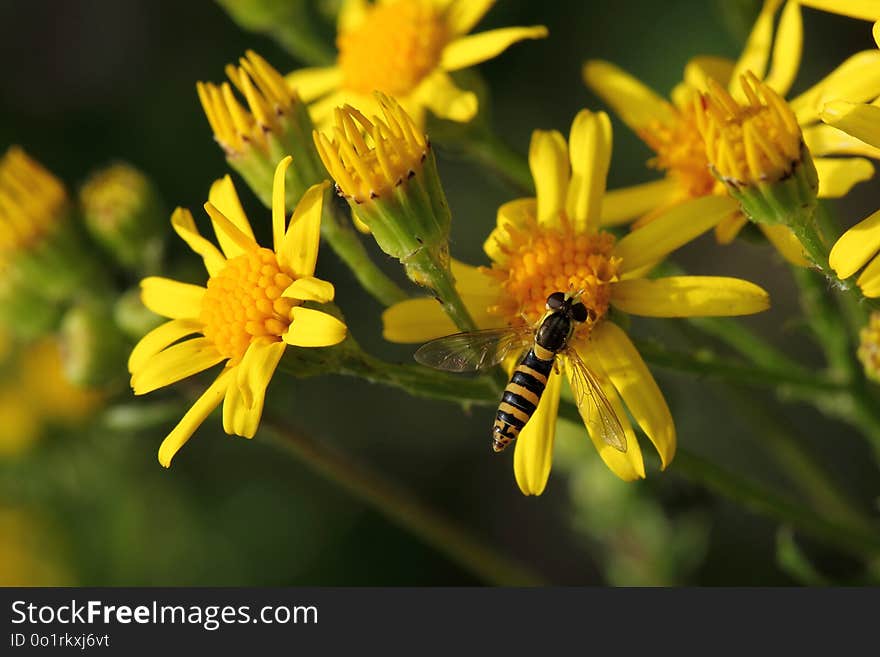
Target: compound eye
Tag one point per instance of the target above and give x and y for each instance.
(579, 312)
(555, 301)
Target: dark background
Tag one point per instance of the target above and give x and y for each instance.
(89, 82)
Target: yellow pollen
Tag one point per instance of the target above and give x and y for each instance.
(394, 48)
(368, 158)
(268, 98)
(244, 302)
(32, 201)
(681, 152)
(544, 259)
(759, 141)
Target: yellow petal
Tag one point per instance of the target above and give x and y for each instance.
(254, 373)
(757, 49)
(787, 49)
(440, 94)
(313, 328)
(158, 339)
(224, 197)
(533, 451)
(473, 282)
(321, 111)
(671, 230)
(620, 206)
(857, 80)
(701, 68)
(174, 364)
(516, 213)
(590, 148)
(856, 246)
(635, 104)
(728, 228)
(310, 288)
(867, 10)
(278, 196)
(629, 374)
(689, 296)
(299, 249)
(233, 242)
(838, 175)
(476, 48)
(869, 280)
(860, 121)
(628, 465)
(312, 83)
(824, 139)
(171, 298)
(194, 417)
(418, 320)
(786, 243)
(184, 225)
(548, 160)
(463, 15)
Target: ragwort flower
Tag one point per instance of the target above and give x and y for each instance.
(669, 127)
(405, 49)
(250, 310)
(554, 243)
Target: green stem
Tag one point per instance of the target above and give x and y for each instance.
(339, 234)
(401, 507)
(429, 269)
(796, 462)
(856, 541)
(796, 382)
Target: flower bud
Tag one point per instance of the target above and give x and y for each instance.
(122, 211)
(385, 168)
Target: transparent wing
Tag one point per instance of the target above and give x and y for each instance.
(473, 350)
(584, 387)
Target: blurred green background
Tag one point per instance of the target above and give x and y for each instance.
(91, 82)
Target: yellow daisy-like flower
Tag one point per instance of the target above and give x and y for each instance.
(553, 243)
(406, 49)
(32, 202)
(251, 308)
(669, 127)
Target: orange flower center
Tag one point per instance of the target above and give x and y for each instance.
(543, 259)
(244, 302)
(393, 48)
(681, 152)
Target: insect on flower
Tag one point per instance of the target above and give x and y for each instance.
(477, 350)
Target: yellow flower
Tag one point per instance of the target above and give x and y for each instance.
(553, 243)
(251, 308)
(32, 202)
(35, 393)
(406, 49)
(670, 128)
(857, 248)
(385, 168)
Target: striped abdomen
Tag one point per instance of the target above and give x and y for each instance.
(521, 396)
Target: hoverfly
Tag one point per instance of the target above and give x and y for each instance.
(477, 350)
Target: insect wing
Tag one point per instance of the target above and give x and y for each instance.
(586, 388)
(473, 350)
